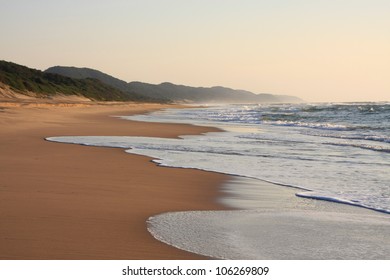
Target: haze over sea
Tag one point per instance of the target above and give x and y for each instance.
(338, 152)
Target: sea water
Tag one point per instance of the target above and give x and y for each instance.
(338, 152)
(335, 152)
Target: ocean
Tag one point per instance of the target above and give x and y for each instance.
(334, 152)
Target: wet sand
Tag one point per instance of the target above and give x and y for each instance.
(61, 201)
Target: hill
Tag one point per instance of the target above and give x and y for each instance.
(25, 80)
(177, 93)
(84, 73)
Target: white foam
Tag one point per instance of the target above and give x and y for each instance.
(278, 159)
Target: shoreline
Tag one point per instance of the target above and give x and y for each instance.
(267, 213)
(103, 198)
(62, 201)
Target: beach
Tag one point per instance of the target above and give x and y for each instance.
(61, 201)
(100, 200)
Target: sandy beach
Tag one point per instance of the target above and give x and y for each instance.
(61, 201)
(65, 201)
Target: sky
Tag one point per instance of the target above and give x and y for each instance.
(319, 50)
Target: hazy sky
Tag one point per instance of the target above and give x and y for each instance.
(319, 50)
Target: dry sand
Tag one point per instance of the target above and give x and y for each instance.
(63, 201)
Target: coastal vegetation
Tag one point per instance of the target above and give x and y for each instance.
(29, 81)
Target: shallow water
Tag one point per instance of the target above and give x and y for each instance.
(277, 226)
